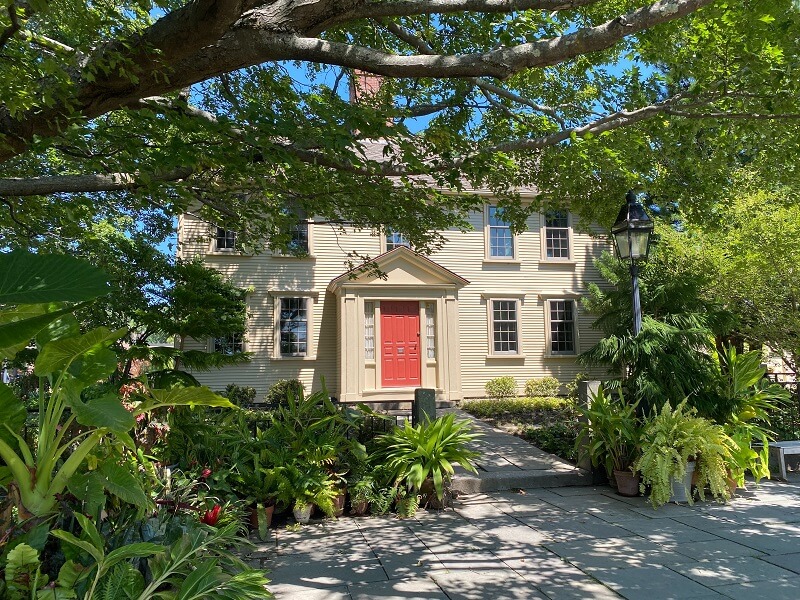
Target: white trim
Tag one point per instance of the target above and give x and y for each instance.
(490, 325)
(543, 239)
(503, 295)
(548, 332)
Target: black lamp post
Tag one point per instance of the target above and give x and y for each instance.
(632, 238)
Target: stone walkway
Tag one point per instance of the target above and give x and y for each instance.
(559, 543)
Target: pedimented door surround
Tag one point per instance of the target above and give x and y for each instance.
(399, 302)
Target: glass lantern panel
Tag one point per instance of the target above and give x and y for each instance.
(639, 241)
(621, 239)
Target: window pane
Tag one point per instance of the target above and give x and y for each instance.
(369, 330)
(299, 242)
(226, 239)
(395, 240)
(504, 326)
(557, 234)
(294, 327)
(501, 240)
(562, 327)
(232, 344)
(430, 329)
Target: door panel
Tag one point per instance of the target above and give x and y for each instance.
(400, 362)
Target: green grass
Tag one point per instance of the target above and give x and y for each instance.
(513, 409)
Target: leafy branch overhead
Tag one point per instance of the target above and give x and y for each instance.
(239, 109)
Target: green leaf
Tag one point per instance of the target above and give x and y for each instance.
(89, 488)
(138, 550)
(22, 561)
(106, 411)
(59, 354)
(20, 325)
(90, 530)
(122, 483)
(95, 364)
(124, 582)
(202, 580)
(70, 573)
(12, 414)
(36, 278)
(67, 537)
(196, 396)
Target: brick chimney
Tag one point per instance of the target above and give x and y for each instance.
(364, 85)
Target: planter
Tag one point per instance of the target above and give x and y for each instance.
(359, 509)
(338, 502)
(627, 483)
(302, 513)
(429, 499)
(267, 512)
(680, 489)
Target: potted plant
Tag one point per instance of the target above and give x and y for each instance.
(303, 486)
(672, 439)
(610, 437)
(361, 491)
(422, 457)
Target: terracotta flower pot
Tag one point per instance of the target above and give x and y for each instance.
(359, 509)
(338, 502)
(267, 512)
(627, 483)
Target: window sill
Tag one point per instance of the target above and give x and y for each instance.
(502, 261)
(227, 253)
(293, 257)
(312, 357)
(505, 356)
(558, 263)
(557, 356)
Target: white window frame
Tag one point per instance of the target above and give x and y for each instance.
(429, 311)
(214, 249)
(487, 230)
(310, 299)
(549, 330)
(370, 331)
(570, 259)
(387, 236)
(517, 299)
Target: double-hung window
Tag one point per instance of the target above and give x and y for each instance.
(395, 240)
(504, 326)
(293, 326)
(556, 235)
(500, 238)
(225, 239)
(562, 327)
(229, 345)
(298, 242)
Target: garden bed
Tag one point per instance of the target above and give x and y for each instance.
(549, 423)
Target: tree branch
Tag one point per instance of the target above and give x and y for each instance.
(42, 186)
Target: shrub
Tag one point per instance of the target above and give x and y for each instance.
(558, 439)
(515, 407)
(573, 387)
(501, 387)
(544, 387)
(239, 395)
(279, 392)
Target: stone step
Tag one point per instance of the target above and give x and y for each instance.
(495, 481)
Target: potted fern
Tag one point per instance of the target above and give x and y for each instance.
(610, 437)
(676, 442)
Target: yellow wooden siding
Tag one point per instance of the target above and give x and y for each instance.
(464, 254)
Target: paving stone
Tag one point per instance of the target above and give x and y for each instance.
(667, 531)
(407, 589)
(715, 549)
(785, 561)
(576, 527)
(409, 564)
(497, 584)
(285, 591)
(722, 571)
(782, 589)
(653, 582)
(614, 553)
(324, 572)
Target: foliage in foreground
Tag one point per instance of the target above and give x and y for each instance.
(516, 408)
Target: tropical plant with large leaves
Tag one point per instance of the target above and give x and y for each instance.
(34, 290)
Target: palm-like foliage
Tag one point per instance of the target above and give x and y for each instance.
(428, 450)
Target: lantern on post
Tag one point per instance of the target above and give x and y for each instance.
(632, 232)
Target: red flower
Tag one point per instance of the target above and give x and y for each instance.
(205, 474)
(211, 517)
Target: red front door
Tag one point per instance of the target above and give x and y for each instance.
(400, 366)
